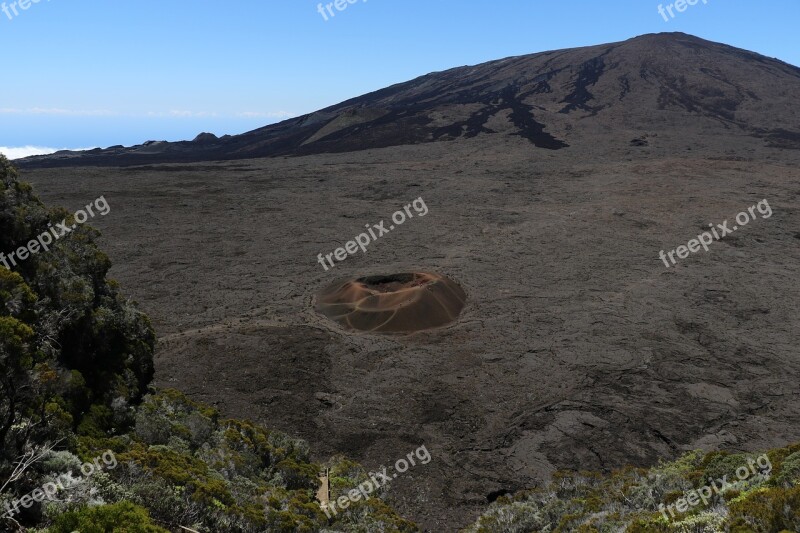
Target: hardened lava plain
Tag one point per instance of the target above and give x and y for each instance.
(398, 303)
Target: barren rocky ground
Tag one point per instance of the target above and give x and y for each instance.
(577, 348)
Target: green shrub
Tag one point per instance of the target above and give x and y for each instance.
(766, 510)
(789, 473)
(122, 517)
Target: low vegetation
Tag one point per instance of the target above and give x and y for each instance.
(631, 500)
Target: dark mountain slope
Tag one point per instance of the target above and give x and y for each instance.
(670, 83)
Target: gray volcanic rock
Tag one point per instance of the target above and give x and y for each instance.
(553, 99)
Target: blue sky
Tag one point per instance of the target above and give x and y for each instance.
(85, 73)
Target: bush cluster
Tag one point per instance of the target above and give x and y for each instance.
(628, 500)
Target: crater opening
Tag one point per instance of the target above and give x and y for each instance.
(390, 283)
(396, 303)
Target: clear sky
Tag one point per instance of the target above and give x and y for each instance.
(86, 73)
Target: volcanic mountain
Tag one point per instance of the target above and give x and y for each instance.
(607, 95)
(527, 324)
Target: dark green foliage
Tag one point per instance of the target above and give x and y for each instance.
(118, 518)
(69, 343)
(789, 471)
(719, 464)
(766, 510)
